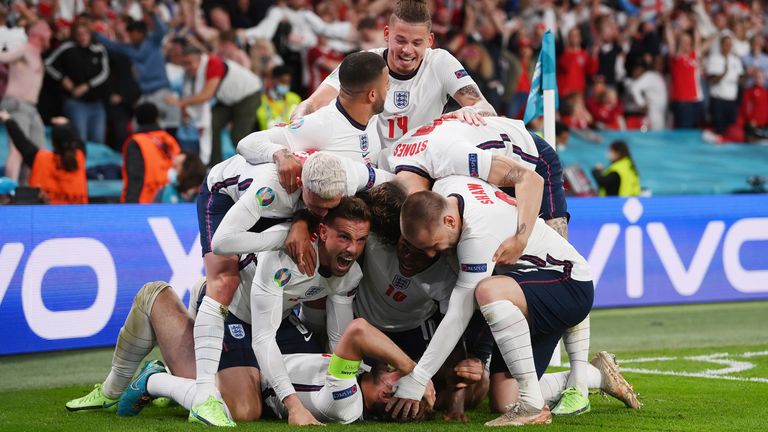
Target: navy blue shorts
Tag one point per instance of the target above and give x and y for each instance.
(555, 304)
(553, 204)
(212, 205)
(237, 350)
(477, 339)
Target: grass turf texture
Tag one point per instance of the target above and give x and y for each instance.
(34, 388)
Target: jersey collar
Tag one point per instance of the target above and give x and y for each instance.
(460, 199)
(352, 121)
(396, 75)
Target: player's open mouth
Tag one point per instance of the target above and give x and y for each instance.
(344, 263)
(407, 60)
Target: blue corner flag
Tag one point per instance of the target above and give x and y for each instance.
(544, 78)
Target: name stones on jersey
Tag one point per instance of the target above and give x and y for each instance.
(402, 97)
(237, 331)
(265, 196)
(364, 142)
(282, 277)
(312, 291)
(401, 282)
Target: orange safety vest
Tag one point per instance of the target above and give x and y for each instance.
(61, 187)
(158, 148)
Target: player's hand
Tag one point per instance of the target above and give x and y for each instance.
(298, 245)
(300, 416)
(430, 396)
(403, 409)
(289, 170)
(4, 116)
(510, 250)
(469, 371)
(466, 114)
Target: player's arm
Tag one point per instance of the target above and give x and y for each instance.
(324, 94)
(233, 236)
(339, 313)
(474, 106)
(529, 187)
(361, 340)
(361, 177)
(267, 314)
(260, 147)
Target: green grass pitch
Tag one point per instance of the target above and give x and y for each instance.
(697, 368)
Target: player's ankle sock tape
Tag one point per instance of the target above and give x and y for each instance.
(342, 368)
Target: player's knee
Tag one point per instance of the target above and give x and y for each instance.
(245, 410)
(357, 328)
(147, 295)
(490, 290)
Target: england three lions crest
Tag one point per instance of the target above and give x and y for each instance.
(364, 142)
(402, 98)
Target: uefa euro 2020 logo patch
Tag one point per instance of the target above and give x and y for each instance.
(265, 196)
(364, 142)
(237, 331)
(401, 98)
(296, 124)
(282, 277)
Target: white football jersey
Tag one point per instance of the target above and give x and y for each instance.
(450, 147)
(276, 273)
(489, 217)
(419, 97)
(328, 398)
(393, 302)
(328, 129)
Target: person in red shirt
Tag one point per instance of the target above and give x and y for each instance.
(685, 89)
(522, 66)
(607, 112)
(574, 65)
(754, 109)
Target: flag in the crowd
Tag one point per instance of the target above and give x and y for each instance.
(544, 78)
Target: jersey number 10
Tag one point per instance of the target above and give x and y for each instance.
(402, 124)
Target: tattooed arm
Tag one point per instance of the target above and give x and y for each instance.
(529, 187)
(560, 225)
(474, 106)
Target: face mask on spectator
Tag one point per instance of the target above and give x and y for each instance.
(282, 89)
(173, 175)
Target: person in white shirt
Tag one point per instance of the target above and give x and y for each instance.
(463, 213)
(648, 90)
(421, 78)
(724, 70)
(345, 127)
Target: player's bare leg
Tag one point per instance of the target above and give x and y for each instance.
(504, 307)
(240, 388)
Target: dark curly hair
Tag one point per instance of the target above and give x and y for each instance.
(385, 201)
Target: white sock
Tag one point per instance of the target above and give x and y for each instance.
(135, 341)
(182, 390)
(553, 384)
(510, 330)
(577, 346)
(209, 336)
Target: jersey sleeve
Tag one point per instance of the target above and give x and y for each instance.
(339, 314)
(451, 73)
(442, 158)
(362, 177)
(333, 79)
(215, 68)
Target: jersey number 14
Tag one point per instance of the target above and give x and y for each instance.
(401, 122)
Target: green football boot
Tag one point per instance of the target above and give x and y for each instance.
(572, 402)
(212, 413)
(92, 401)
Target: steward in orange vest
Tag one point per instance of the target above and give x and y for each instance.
(147, 157)
(60, 173)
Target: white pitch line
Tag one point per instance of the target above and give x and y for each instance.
(648, 359)
(693, 374)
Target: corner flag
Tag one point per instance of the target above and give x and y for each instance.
(544, 78)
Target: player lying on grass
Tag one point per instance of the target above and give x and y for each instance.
(335, 388)
(464, 213)
(237, 202)
(448, 147)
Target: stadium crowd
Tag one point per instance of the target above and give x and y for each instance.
(245, 65)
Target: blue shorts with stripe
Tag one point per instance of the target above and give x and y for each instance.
(213, 204)
(555, 303)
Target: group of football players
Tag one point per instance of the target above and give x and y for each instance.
(384, 232)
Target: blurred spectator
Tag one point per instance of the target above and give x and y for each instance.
(60, 173)
(574, 65)
(235, 88)
(648, 90)
(607, 51)
(685, 83)
(621, 177)
(574, 112)
(7, 190)
(521, 68)
(144, 48)
(148, 155)
(754, 109)
(278, 101)
(322, 59)
(562, 135)
(25, 78)
(10, 38)
(757, 59)
(81, 66)
(123, 93)
(607, 112)
(263, 57)
(229, 50)
(103, 19)
(724, 70)
(184, 179)
(370, 35)
(479, 64)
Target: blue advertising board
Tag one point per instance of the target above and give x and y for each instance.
(68, 274)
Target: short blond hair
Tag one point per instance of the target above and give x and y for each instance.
(323, 174)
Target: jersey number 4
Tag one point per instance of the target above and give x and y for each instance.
(401, 122)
